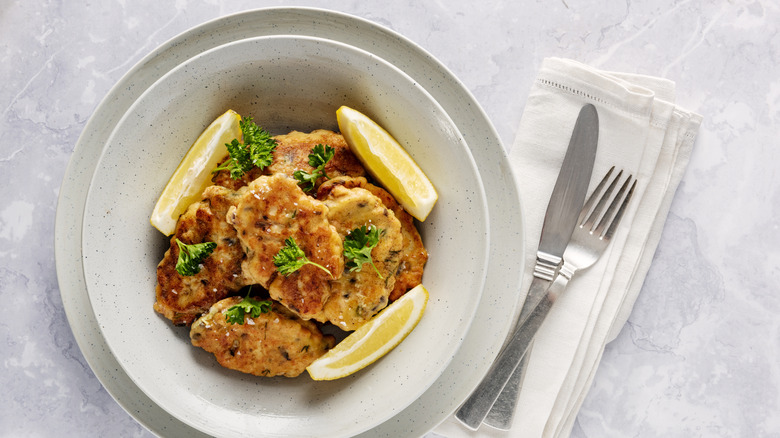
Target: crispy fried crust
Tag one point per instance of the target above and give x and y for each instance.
(413, 254)
(183, 298)
(249, 219)
(292, 153)
(276, 343)
(359, 295)
(272, 209)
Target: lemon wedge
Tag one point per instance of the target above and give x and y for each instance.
(373, 339)
(388, 162)
(194, 172)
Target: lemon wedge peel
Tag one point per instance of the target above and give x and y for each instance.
(388, 162)
(193, 174)
(373, 339)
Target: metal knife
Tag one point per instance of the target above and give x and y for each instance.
(563, 209)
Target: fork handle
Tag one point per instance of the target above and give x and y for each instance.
(476, 407)
(503, 411)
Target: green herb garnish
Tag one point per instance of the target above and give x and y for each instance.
(247, 306)
(318, 158)
(191, 256)
(291, 258)
(358, 245)
(256, 151)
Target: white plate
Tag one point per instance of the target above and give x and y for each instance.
(283, 82)
(495, 312)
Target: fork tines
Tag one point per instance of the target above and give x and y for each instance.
(593, 218)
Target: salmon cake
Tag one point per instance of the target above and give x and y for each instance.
(276, 343)
(292, 153)
(364, 290)
(413, 254)
(183, 298)
(271, 210)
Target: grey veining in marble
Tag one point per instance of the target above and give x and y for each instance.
(699, 356)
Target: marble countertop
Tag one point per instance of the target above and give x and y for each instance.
(700, 354)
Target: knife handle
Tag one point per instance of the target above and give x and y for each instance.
(546, 265)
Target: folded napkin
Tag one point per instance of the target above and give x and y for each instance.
(643, 133)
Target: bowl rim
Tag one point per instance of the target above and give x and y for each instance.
(212, 424)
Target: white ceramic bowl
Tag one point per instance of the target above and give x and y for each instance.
(284, 82)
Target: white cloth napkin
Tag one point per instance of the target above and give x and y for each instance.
(643, 133)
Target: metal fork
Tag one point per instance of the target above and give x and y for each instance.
(590, 238)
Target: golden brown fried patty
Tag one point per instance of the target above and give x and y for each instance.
(272, 209)
(182, 298)
(413, 254)
(276, 343)
(292, 153)
(359, 295)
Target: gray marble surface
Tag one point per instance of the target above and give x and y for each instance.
(700, 354)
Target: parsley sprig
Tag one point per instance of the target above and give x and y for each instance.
(291, 258)
(318, 158)
(191, 256)
(358, 245)
(247, 306)
(256, 151)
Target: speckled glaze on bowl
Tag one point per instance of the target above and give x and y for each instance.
(284, 82)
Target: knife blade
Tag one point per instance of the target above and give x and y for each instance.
(560, 218)
(559, 221)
